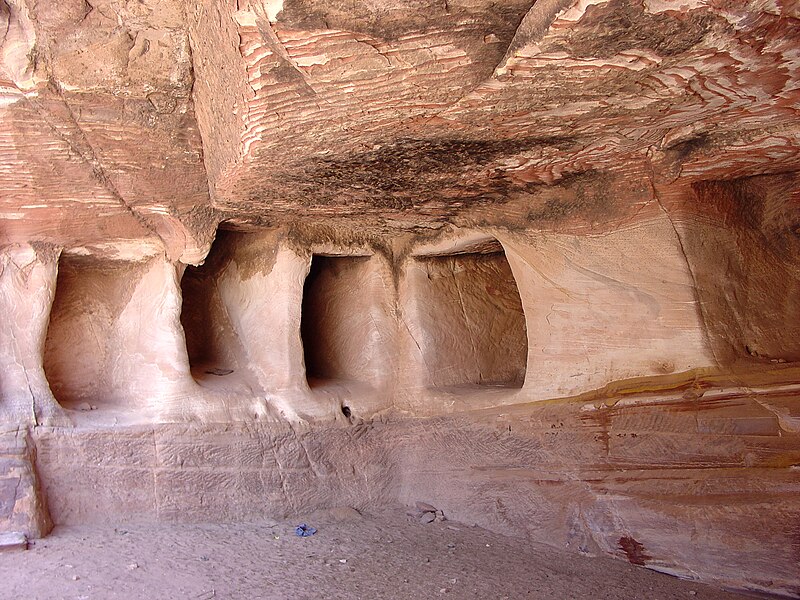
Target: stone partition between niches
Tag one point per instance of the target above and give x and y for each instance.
(27, 286)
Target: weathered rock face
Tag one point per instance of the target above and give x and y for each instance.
(538, 263)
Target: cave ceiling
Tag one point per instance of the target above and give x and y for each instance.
(155, 121)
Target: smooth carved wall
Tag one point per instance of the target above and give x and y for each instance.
(598, 311)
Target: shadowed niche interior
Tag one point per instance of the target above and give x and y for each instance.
(341, 313)
(471, 313)
(210, 339)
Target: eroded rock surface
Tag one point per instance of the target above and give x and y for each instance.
(537, 263)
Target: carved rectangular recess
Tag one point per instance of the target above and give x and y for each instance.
(82, 340)
(470, 314)
(215, 353)
(342, 315)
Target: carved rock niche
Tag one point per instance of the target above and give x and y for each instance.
(467, 308)
(344, 323)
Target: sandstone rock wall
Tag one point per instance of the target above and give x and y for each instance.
(535, 263)
(700, 483)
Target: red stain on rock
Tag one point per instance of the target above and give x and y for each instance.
(634, 551)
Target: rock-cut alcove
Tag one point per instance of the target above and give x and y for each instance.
(211, 343)
(80, 350)
(467, 307)
(233, 315)
(343, 324)
(113, 338)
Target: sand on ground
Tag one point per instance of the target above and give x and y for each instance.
(351, 557)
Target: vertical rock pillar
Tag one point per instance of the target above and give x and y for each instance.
(23, 509)
(151, 367)
(27, 285)
(263, 300)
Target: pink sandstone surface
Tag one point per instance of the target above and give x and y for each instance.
(535, 262)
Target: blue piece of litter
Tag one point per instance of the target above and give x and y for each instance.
(304, 530)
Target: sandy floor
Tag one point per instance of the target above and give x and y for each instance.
(351, 557)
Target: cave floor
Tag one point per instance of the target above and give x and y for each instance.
(351, 557)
